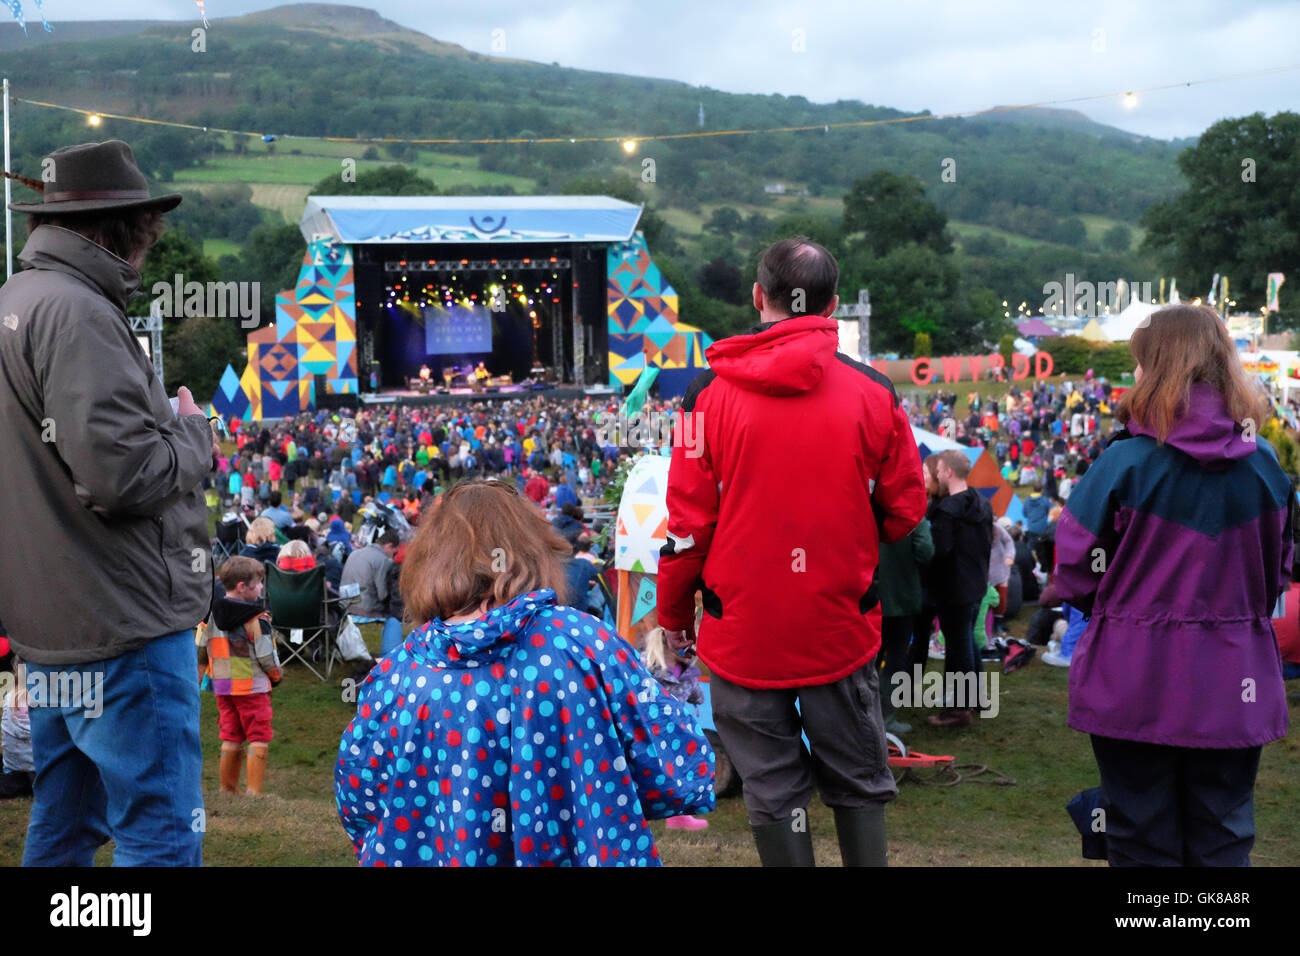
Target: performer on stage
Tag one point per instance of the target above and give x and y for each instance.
(425, 372)
(481, 372)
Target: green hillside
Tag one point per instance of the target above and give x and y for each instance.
(278, 72)
(1020, 198)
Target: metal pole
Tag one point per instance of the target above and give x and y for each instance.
(9, 216)
(864, 326)
(155, 340)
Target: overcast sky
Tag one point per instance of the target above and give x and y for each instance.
(942, 55)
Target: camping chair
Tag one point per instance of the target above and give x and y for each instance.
(299, 601)
(227, 542)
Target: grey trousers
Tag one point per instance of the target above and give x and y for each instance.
(762, 732)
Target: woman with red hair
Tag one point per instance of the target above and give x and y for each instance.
(509, 729)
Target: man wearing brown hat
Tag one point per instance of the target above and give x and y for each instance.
(106, 569)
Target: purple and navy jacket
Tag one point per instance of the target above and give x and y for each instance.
(1179, 552)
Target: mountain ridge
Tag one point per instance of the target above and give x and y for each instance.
(356, 23)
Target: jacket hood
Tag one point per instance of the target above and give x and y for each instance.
(1205, 430)
(968, 505)
(62, 250)
(569, 526)
(482, 640)
(229, 614)
(786, 357)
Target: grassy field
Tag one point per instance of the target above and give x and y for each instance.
(973, 823)
(288, 200)
(690, 222)
(967, 230)
(281, 180)
(1097, 226)
(216, 248)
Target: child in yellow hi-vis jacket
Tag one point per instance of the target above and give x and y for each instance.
(243, 666)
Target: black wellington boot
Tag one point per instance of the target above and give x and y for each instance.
(779, 844)
(861, 832)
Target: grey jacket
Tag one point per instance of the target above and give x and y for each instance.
(368, 567)
(105, 527)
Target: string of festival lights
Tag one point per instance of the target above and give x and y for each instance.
(447, 295)
(631, 142)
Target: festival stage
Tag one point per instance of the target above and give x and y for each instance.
(512, 284)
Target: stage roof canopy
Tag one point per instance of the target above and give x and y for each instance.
(358, 220)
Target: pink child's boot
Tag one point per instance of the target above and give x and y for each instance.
(686, 823)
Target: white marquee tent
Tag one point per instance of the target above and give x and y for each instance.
(1120, 328)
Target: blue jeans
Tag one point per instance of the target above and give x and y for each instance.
(390, 638)
(957, 621)
(130, 772)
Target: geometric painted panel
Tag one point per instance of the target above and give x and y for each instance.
(644, 328)
(314, 333)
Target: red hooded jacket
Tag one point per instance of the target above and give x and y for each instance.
(791, 463)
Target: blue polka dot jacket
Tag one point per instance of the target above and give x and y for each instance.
(531, 736)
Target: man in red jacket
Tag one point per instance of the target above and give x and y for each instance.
(788, 573)
(537, 488)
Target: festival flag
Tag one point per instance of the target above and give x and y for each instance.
(40, 8)
(636, 398)
(645, 598)
(201, 13)
(1275, 280)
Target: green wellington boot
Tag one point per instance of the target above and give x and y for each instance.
(779, 844)
(862, 835)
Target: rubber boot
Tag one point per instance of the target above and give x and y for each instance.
(779, 844)
(231, 763)
(861, 832)
(256, 769)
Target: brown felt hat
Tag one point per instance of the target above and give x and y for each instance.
(96, 176)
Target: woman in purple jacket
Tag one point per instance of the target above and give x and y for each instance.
(1177, 542)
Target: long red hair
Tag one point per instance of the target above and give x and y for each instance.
(482, 539)
(1179, 346)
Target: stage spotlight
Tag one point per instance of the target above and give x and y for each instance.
(94, 119)
(1130, 100)
(629, 146)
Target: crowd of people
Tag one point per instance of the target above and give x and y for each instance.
(1039, 434)
(408, 452)
(307, 479)
(512, 726)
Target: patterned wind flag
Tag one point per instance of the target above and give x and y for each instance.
(40, 8)
(636, 398)
(201, 13)
(16, 8)
(1275, 280)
